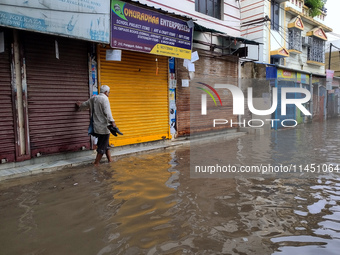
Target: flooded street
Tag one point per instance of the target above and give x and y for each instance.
(150, 204)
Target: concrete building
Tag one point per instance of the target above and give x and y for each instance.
(333, 52)
(293, 50)
(290, 36)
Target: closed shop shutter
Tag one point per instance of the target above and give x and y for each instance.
(316, 104)
(138, 96)
(290, 108)
(209, 70)
(7, 135)
(54, 85)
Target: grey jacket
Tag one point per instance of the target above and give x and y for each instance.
(102, 115)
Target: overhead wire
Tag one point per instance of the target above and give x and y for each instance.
(273, 35)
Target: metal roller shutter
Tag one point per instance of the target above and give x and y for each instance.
(7, 134)
(138, 97)
(54, 85)
(291, 109)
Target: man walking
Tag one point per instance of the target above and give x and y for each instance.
(102, 117)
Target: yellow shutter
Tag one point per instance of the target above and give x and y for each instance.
(138, 96)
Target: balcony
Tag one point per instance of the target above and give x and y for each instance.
(297, 7)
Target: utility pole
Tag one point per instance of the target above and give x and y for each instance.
(329, 68)
(330, 56)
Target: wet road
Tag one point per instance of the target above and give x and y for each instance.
(149, 203)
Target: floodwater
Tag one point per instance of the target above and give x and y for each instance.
(149, 203)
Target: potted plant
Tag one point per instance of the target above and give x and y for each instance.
(315, 6)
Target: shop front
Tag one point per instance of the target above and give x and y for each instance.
(138, 96)
(7, 123)
(209, 70)
(42, 76)
(319, 98)
(286, 78)
(55, 81)
(136, 67)
(44, 69)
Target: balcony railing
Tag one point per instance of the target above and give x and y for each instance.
(300, 5)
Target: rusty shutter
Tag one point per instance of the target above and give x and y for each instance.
(7, 134)
(138, 96)
(54, 85)
(210, 70)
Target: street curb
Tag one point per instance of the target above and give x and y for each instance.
(33, 169)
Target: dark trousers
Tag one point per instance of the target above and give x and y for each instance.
(103, 143)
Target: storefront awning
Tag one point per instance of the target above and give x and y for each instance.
(200, 28)
(160, 10)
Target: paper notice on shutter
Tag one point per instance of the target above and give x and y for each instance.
(186, 63)
(113, 55)
(194, 56)
(191, 67)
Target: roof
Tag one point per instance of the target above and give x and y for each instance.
(160, 10)
(201, 28)
(309, 19)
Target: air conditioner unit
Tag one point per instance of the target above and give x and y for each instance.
(306, 41)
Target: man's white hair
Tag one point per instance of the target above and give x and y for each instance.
(104, 89)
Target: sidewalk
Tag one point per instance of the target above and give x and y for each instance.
(60, 161)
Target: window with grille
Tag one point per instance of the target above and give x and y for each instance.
(275, 16)
(211, 8)
(316, 51)
(294, 39)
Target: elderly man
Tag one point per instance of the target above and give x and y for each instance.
(102, 117)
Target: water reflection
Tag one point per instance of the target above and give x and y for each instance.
(294, 148)
(319, 230)
(149, 204)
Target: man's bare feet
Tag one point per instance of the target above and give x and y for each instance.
(108, 155)
(98, 158)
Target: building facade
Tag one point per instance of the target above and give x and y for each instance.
(53, 55)
(219, 46)
(293, 48)
(150, 53)
(45, 63)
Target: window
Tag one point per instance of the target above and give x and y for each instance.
(275, 16)
(276, 61)
(294, 39)
(316, 52)
(209, 7)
